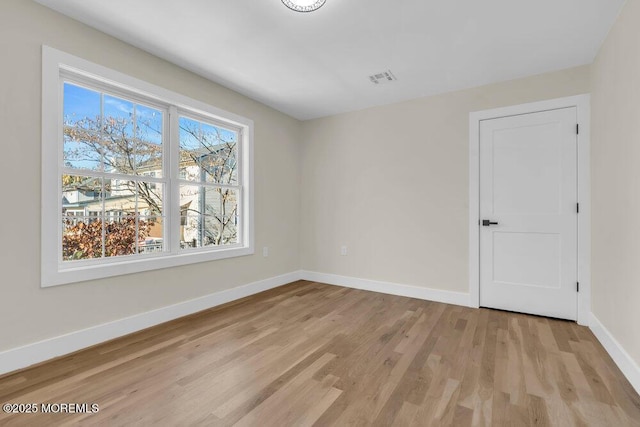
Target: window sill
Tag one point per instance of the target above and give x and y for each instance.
(61, 274)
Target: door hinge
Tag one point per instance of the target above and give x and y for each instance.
(577, 286)
(578, 129)
(577, 207)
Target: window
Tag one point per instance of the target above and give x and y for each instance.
(145, 178)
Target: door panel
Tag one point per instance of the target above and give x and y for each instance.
(526, 170)
(536, 255)
(528, 185)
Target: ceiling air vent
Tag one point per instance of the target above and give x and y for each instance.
(383, 77)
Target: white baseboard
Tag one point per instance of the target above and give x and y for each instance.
(448, 297)
(22, 357)
(627, 365)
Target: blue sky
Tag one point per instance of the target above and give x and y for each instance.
(81, 103)
(209, 133)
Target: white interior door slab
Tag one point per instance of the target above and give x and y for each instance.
(528, 188)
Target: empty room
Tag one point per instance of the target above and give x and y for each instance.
(320, 212)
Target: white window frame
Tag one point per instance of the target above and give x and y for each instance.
(54, 270)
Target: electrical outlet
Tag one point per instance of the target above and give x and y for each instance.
(265, 251)
(343, 250)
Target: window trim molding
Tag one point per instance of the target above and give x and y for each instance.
(53, 272)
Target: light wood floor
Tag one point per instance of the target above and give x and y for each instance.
(308, 353)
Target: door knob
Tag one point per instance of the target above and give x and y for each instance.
(486, 223)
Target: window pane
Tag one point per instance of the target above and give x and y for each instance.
(148, 156)
(209, 216)
(118, 115)
(117, 135)
(81, 195)
(120, 236)
(81, 128)
(229, 216)
(149, 124)
(150, 235)
(208, 153)
(148, 159)
(120, 197)
(189, 149)
(81, 237)
(81, 151)
(149, 198)
(119, 152)
(81, 108)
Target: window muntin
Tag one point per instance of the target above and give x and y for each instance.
(82, 185)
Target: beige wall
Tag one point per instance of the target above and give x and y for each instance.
(391, 183)
(615, 176)
(29, 313)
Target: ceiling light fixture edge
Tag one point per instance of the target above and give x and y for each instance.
(297, 7)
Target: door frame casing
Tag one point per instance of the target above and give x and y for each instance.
(583, 109)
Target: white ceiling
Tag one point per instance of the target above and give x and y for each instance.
(316, 64)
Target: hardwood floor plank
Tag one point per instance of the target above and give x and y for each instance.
(312, 354)
(537, 410)
(277, 408)
(463, 417)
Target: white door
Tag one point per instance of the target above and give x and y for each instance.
(528, 188)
